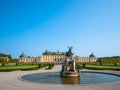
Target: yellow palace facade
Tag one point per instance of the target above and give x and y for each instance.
(54, 57)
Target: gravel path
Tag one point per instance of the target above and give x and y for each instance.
(10, 81)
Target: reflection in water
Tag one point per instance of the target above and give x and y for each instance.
(68, 80)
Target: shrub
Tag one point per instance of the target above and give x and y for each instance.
(50, 66)
(45, 65)
(84, 65)
(78, 66)
(3, 64)
(101, 63)
(16, 63)
(115, 64)
(40, 65)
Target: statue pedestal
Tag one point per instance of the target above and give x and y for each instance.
(69, 69)
(69, 74)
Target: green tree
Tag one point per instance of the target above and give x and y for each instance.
(3, 62)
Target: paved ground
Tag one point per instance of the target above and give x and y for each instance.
(10, 81)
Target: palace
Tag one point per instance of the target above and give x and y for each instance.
(54, 57)
(4, 58)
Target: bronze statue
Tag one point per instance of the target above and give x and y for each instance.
(69, 53)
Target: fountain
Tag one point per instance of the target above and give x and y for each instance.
(70, 75)
(69, 66)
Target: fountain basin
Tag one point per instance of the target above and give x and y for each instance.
(85, 78)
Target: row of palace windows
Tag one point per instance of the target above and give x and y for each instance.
(50, 56)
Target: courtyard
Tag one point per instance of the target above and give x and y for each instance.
(12, 81)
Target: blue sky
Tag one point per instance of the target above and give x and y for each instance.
(32, 26)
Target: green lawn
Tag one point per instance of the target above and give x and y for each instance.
(19, 67)
(99, 67)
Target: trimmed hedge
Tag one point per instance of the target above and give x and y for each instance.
(19, 67)
(99, 67)
(50, 66)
